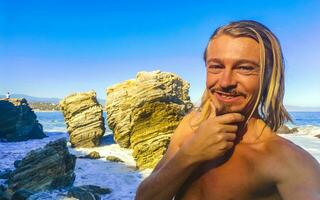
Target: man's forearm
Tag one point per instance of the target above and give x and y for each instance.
(164, 183)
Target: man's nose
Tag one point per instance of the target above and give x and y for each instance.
(227, 80)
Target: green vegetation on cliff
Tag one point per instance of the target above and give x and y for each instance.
(44, 106)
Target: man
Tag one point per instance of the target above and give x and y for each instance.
(8, 95)
(228, 148)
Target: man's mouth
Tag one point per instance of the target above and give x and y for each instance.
(227, 97)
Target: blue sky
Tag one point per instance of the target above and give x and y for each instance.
(54, 48)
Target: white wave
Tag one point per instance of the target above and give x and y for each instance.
(309, 130)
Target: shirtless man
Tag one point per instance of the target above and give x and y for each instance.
(227, 149)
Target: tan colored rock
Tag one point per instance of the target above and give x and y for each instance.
(143, 113)
(286, 130)
(84, 119)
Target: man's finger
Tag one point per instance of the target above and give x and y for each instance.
(230, 136)
(230, 118)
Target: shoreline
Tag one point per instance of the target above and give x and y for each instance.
(35, 110)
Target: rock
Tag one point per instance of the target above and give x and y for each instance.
(4, 174)
(84, 119)
(318, 136)
(286, 130)
(4, 195)
(42, 196)
(50, 167)
(92, 155)
(18, 122)
(144, 112)
(88, 192)
(114, 159)
(21, 195)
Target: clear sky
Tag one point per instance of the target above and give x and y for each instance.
(53, 48)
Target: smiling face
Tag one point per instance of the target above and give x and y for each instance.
(233, 73)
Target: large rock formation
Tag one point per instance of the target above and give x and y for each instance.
(84, 119)
(143, 113)
(18, 122)
(46, 168)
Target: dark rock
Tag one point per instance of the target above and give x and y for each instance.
(318, 136)
(114, 159)
(17, 163)
(5, 174)
(21, 195)
(4, 194)
(84, 119)
(46, 168)
(18, 122)
(92, 155)
(88, 192)
(286, 130)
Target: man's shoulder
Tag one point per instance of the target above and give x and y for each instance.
(287, 158)
(284, 149)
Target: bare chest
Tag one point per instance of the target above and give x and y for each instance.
(237, 178)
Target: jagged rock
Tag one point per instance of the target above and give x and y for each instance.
(88, 192)
(84, 119)
(50, 167)
(286, 130)
(144, 112)
(92, 155)
(18, 122)
(114, 159)
(21, 195)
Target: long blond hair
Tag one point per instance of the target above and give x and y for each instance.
(269, 100)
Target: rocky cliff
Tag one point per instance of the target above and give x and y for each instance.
(18, 122)
(84, 119)
(144, 112)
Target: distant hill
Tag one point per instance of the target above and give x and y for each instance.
(32, 99)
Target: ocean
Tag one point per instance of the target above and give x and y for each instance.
(123, 179)
(53, 121)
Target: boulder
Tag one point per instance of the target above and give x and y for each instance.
(50, 167)
(318, 136)
(88, 192)
(144, 112)
(286, 130)
(18, 122)
(84, 119)
(92, 155)
(114, 159)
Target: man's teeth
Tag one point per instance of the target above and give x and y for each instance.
(227, 96)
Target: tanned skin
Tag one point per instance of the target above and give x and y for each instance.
(225, 158)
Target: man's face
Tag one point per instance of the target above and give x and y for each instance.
(233, 73)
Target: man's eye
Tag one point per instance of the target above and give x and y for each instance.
(215, 68)
(246, 68)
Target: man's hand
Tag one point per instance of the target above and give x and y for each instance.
(213, 138)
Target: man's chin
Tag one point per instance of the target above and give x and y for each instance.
(225, 109)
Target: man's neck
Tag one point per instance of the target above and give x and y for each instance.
(252, 131)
